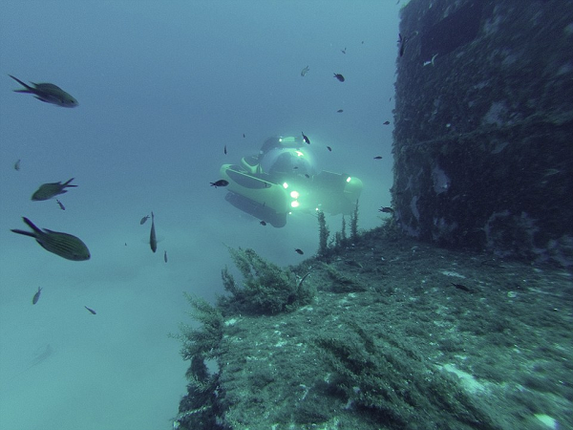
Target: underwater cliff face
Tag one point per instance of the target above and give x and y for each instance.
(484, 118)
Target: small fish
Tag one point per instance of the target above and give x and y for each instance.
(263, 223)
(462, 287)
(225, 150)
(165, 256)
(219, 183)
(304, 71)
(144, 220)
(386, 209)
(299, 251)
(52, 189)
(339, 111)
(386, 122)
(48, 93)
(339, 77)
(90, 310)
(329, 148)
(402, 43)
(63, 244)
(152, 237)
(61, 205)
(307, 175)
(305, 138)
(378, 157)
(37, 296)
(243, 135)
(17, 165)
(343, 51)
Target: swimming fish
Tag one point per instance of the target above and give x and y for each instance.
(91, 310)
(339, 77)
(17, 165)
(386, 122)
(329, 148)
(37, 296)
(152, 237)
(219, 183)
(299, 251)
(63, 244)
(378, 157)
(48, 93)
(61, 205)
(263, 222)
(49, 190)
(304, 71)
(305, 138)
(165, 256)
(144, 220)
(343, 51)
(339, 111)
(225, 150)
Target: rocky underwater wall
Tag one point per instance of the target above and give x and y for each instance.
(483, 138)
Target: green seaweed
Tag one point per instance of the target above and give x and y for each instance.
(267, 289)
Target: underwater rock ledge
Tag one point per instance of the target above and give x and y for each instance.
(400, 335)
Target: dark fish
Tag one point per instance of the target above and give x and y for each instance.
(329, 148)
(305, 138)
(165, 256)
(225, 150)
(386, 209)
(343, 51)
(243, 135)
(462, 287)
(299, 251)
(304, 71)
(152, 238)
(49, 190)
(339, 77)
(61, 205)
(386, 122)
(144, 220)
(378, 157)
(48, 93)
(263, 222)
(37, 296)
(63, 244)
(219, 183)
(91, 310)
(307, 175)
(402, 43)
(17, 165)
(339, 111)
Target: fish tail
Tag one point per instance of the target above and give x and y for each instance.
(25, 233)
(32, 226)
(26, 89)
(67, 183)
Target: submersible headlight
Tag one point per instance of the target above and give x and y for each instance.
(294, 194)
(295, 204)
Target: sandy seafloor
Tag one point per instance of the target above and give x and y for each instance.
(162, 88)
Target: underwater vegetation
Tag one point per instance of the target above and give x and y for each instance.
(266, 289)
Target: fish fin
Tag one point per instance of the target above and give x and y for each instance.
(28, 87)
(32, 225)
(41, 99)
(25, 233)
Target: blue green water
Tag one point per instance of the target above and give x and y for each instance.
(162, 88)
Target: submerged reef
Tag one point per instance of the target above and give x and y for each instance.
(397, 335)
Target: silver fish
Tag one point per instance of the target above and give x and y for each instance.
(144, 220)
(152, 237)
(37, 296)
(63, 244)
(48, 93)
